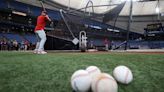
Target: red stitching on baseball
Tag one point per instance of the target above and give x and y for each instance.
(101, 78)
(93, 70)
(80, 75)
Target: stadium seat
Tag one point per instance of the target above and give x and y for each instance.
(31, 38)
(13, 36)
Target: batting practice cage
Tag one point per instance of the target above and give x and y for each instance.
(81, 45)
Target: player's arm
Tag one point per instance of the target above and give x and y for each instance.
(48, 18)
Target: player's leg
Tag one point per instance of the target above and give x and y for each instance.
(38, 42)
(42, 36)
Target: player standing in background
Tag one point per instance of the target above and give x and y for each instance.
(40, 33)
(106, 43)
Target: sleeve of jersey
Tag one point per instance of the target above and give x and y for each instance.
(46, 18)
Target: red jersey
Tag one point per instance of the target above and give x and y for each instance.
(41, 23)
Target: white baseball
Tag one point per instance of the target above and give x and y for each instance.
(104, 83)
(81, 81)
(123, 74)
(93, 71)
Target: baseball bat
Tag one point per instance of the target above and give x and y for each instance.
(44, 9)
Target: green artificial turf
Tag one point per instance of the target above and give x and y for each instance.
(27, 72)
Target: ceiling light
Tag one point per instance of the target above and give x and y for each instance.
(157, 10)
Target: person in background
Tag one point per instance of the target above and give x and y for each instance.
(106, 43)
(4, 45)
(1, 44)
(9, 43)
(15, 44)
(91, 43)
(26, 43)
(40, 33)
(22, 45)
(112, 45)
